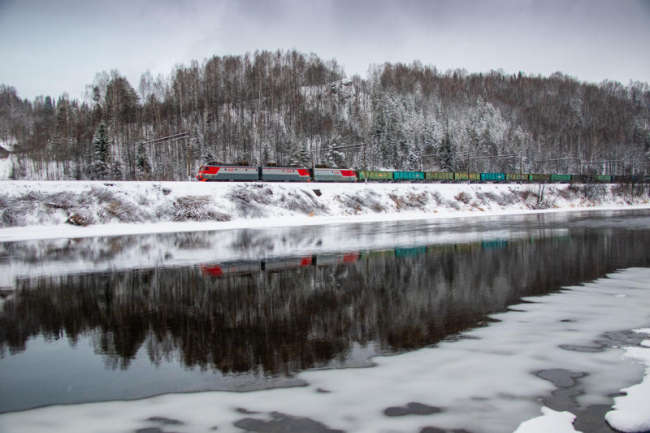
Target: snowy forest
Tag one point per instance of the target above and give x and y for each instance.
(287, 107)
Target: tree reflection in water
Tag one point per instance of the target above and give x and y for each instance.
(286, 315)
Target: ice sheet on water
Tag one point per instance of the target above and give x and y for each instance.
(485, 382)
(631, 413)
(550, 421)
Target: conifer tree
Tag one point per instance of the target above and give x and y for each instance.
(305, 155)
(208, 157)
(294, 153)
(101, 153)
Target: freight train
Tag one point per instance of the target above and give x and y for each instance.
(218, 172)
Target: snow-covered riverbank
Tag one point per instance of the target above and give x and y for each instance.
(41, 209)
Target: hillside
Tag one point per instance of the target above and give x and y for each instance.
(289, 107)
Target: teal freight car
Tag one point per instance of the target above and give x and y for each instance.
(493, 177)
(408, 176)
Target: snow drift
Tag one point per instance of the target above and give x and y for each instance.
(85, 203)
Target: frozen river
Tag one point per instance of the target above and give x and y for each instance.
(310, 309)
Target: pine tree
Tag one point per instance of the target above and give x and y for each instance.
(305, 155)
(447, 162)
(101, 155)
(208, 157)
(294, 153)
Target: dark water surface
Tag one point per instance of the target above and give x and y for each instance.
(134, 316)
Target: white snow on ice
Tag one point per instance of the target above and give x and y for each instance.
(631, 412)
(550, 421)
(484, 382)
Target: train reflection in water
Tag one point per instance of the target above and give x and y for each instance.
(278, 264)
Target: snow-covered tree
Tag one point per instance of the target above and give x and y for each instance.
(101, 153)
(305, 155)
(208, 156)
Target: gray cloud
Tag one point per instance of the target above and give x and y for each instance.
(52, 46)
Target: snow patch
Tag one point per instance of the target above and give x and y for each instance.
(631, 412)
(550, 421)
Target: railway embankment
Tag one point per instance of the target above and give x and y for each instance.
(88, 203)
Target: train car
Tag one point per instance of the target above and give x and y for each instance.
(560, 178)
(227, 173)
(377, 254)
(493, 177)
(279, 264)
(333, 175)
(464, 176)
(517, 177)
(408, 176)
(410, 252)
(232, 268)
(284, 174)
(593, 178)
(540, 177)
(438, 176)
(330, 259)
(383, 176)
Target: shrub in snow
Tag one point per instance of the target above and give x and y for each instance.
(437, 197)
(124, 212)
(248, 198)
(303, 203)
(102, 195)
(82, 219)
(631, 192)
(410, 201)
(595, 193)
(361, 200)
(258, 193)
(463, 197)
(8, 218)
(197, 208)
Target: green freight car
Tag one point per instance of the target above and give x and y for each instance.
(438, 176)
(560, 178)
(385, 176)
(493, 177)
(540, 177)
(408, 176)
(464, 176)
(517, 177)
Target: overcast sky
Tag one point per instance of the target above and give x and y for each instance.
(48, 47)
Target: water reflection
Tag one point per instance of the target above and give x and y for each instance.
(270, 315)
